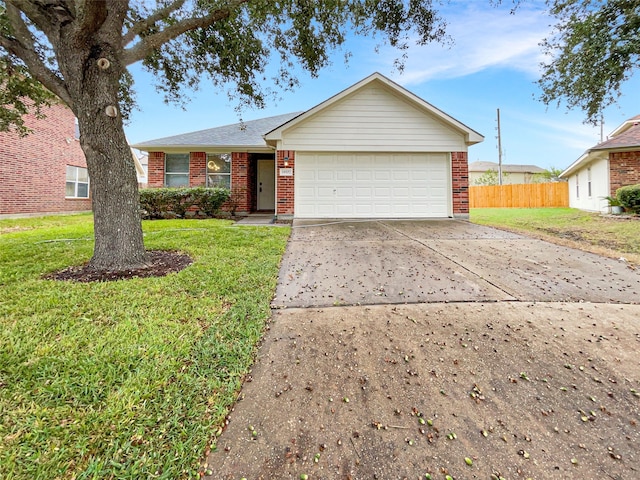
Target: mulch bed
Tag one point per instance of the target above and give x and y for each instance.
(160, 263)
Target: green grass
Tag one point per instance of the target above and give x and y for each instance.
(126, 379)
(590, 231)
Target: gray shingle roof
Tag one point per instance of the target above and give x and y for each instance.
(238, 134)
(627, 139)
(484, 166)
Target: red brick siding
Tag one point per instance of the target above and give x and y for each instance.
(155, 178)
(460, 182)
(197, 169)
(240, 173)
(624, 169)
(33, 168)
(285, 185)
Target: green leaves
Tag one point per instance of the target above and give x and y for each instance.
(19, 94)
(594, 50)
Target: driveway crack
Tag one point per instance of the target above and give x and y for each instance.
(463, 267)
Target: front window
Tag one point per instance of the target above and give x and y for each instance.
(219, 170)
(176, 170)
(77, 182)
(577, 185)
(589, 182)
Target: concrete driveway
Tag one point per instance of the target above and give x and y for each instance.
(390, 261)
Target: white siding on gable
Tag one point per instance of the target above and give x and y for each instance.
(373, 119)
(579, 187)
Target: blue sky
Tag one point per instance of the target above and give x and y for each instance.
(493, 63)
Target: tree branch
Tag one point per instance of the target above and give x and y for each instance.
(142, 25)
(92, 14)
(23, 47)
(148, 44)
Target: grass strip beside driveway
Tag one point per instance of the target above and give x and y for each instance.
(612, 236)
(126, 379)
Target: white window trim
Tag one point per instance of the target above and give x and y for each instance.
(229, 174)
(76, 182)
(187, 173)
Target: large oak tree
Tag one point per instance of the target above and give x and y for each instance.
(594, 49)
(80, 51)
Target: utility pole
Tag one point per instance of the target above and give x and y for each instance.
(499, 151)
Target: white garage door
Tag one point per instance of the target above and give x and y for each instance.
(362, 185)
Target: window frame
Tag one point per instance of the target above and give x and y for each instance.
(76, 182)
(220, 156)
(589, 194)
(177, 174)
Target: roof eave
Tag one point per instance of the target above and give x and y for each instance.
(204, 148)
(586, 157)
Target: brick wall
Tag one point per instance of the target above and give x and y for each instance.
(197, 169)
(33, 168)
(624, 169)
(240, 180)
(155, 178)
(460, 183)
(284, 185)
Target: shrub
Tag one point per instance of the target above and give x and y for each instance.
(629, 197)
(165, 202)
(209, 200)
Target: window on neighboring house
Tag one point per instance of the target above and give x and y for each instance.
(77, 182)
(219, 170)
(176, 170)
(76, 133)
(577, 185)
(589, 182)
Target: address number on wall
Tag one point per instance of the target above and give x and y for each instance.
(286, 172)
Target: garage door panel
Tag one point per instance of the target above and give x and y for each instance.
(335, 185)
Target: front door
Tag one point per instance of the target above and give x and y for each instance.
(266, 184)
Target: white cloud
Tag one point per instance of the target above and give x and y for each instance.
(484, 37)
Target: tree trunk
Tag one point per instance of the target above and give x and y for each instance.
(114, 196)
(89, 59)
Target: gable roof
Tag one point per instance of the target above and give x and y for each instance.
(471, 136)
(243, 135)
(506, 167)
(625, 137)
(629, 137)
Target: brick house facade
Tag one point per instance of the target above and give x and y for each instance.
(34, 168)
(605, 167)
(624, 169)
(405, 158)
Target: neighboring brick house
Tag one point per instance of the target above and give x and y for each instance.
(46, 171)
(374, 150)
(604, 168)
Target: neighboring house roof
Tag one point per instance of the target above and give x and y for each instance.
(628, 138)
(243, 135)
(506, 168)
(625, 137)
(471, 136)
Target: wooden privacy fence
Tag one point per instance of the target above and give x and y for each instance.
(524, 195)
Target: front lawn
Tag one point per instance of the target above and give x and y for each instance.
(612, 236)
(128, 379)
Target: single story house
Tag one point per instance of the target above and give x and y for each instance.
(512, 174)
(374, 150)
(604, 168)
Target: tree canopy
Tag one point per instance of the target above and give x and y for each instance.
(228, 42)
(79, 51)
(594, 49)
